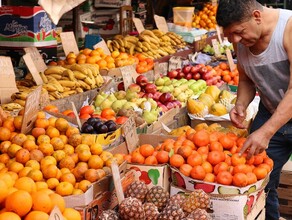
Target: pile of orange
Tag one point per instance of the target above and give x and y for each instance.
(211, 156)
(206, 18)
(228, 76)
(144, 64)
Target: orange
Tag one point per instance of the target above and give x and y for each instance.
(41, 202)
(83, 185)
(176, 160)
(36, 132)
(195, 159)
(207, 167)
(50, 171)
(51, 108)
(91, 175)
(236, 159)
(84, 155)
(52, 183)
(227, 142)
(71, 214)
(57, 200)
(26, 184)
(146, 150)
(37, 215)
(8, 179)
(4, 158)
(222, 166)
(41, 123)
(15, 166)
(19, 202)
(201, 138)
(215, 145)
(96, 149)
(115, 53)
(258, 159)
(75, 139)
(8, 123)
(46, 148)
(36, 155)
(198, 172)
(62, 124)
(29, 145)
(68, 149)
(52, 132)
(5, 134)
(4, 145)
(64, 188)
(68, 177)
(67, 162)
(251, 178)
(12, 149)
(137, 157)
(35, 175)
(239, 179)
(260, 172)
(3, 190)
(22, 156)
(210, 177)
(72, 130)
(151, 160)
(9, 215)
(215, 157)
(185, 151)
(224, 177)
(57, 143)
(185, 169)
(43, 138)
(33, 164)
(162, 156)
(41, 185)
(241, 168)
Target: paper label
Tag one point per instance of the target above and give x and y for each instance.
(128, 73)
(56, 214)
(131, 136)
(76, 115)
(215, 45)
(174, 63)
(117, 182)
(7, 79)
(161, 23)
(44, 100)
(31, 108)
(37, 58)
(157, 70)
(32, 67)
(69, 42)
(230, 60)
(102, 45)
(219, 34)
(163, 68)
(139, 25)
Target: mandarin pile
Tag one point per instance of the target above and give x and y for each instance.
(207, 153)
(205, 18)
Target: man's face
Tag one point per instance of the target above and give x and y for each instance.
(246, 33)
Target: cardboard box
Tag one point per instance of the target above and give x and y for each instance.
(24, 26)
(284, 192)
(288, 165)
(240, 207)
(152, 175)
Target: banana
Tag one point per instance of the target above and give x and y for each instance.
(109, 44)
(90, 75)
(116, 44)
(149, 33)
(56, 76)
(68, 93)
(131, 50)
(145, 49)
(90, 82)
(70, 74)
(120, 42)
(57, 95)
(67, 83)
(153, 46)
(146, 44)
(115, 48)
(56, 83)
(93, 69)
(20, 102)
(52, 98)
(79, 68)
(84, 85)
(158, 33)
(20, 95)
(79, 75)
(66, 89)
(129, 44)
(139, 49)
(99, 80)
(79, 90)
(161, 52)
(131, 39)
(11, 106)
(165, 38)
(118, 36)
(122, 49)
(50, 87)
(44, 78)
(54, 70)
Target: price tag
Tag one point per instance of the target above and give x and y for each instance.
(157, 70)
(215, 45)
(129, 131)
(7, 79)
(214, 2)
(174, 63)
(117, 182)
(31, 108)
(56, 214)
(163, 68)
(219, 34)
(139, 25)
(44, 100)
(69, 42)
(128, 73)
(31, 65)
(102, 45)
(37, 59)
(230, 60)
(76, 115)
(161, 23)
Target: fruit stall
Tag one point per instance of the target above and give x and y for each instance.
(135, 127)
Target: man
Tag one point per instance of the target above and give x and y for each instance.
(264, 51)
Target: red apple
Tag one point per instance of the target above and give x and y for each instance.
(197, 76)
(163, 107)
(165, 97)
(147, 95)
(134, 88)
(172, 74)
(203, 70)
(121, 86)
(186, 69)
(169, 105)
(150, 88)
(156, 95)
(140, 94)
(196, 68)
(180, 75)
(189, 76)
(176, 103)
(141, 80)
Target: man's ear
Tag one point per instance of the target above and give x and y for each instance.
(257, 16)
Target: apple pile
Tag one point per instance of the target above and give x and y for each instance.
(196, 72)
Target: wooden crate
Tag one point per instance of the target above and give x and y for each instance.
(285, 193)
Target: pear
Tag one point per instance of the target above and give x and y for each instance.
(98, 100)
(149, 117)
(182, 97)
(189, 92)
(165, 89)
(159, 82)
(130, 95)
(176, 92)
(153, 103)
(130, 105)
(177, 83)
(118, 104)
(106, 104)
(138, 101)
(112, 97)
(146, 106)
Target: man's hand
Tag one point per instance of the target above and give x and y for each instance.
(255, 144)
(237, 116)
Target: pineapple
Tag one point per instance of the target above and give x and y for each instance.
(196, 199)
(158, 196)
(199, 214)
(151, 211)
(177, 199)
(108, 215)
(171, 212)
(137, 189)
(131, 209)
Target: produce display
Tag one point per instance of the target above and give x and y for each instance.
(205, 18)
(156, 203)
(150, 43)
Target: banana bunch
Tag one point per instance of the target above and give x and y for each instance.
(63, 81)
(154, 44)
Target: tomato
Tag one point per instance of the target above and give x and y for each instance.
(67, 112)
(107, 113)
(85, 116)
(87, 109)
(121, 120)
(51, 108)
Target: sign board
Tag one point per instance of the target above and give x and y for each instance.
(7, 79)
(230, 60)
(102, 45)
(129, 73)
(216, 47)
(157, 70)
(219, 34)
(117, 182)
(139, 25)
(37, 58)
(32, 67)
(69, 42)
(161, 23)
(129, 131)
(31, 108)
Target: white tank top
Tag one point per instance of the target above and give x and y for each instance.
(270, 70)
